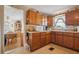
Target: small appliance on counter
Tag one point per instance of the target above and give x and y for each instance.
(77, 28)
(39, 28)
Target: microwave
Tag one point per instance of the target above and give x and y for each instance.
(39, 28)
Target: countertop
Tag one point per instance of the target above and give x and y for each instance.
(37, 31)
(53, 30)
(65, 31)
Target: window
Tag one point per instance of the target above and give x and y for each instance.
(59, 21)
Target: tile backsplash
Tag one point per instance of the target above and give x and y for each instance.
(73, 28)
(43, 28)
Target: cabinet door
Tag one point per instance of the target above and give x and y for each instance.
(68, 41)
(72, 17)
(76, 44)
(76, 16)
(69, 18)
(49, 21)
(35, 41)
(28, 16)
(53, 37)
(59, 39)
(38, 19)
(33, 18)
(48, 37)
(43, 39)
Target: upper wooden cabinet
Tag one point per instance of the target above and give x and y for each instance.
(34, 17)
(72, 17)
(49, 21)
(39, 18)
(30, 17)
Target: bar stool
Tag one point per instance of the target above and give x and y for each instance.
(10, 43)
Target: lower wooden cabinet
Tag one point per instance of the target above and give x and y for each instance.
(34, 41)
(53, 37)
(68, 40)
(59, 38)
(43, 39)
(76, 43)
(38, 40)
(48, 37)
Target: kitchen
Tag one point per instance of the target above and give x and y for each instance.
(47, 26)
(61, 29)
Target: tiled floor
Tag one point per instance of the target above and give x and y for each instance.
(45, 50)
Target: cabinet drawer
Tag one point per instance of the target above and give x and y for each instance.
(43, 37)
(36, 35)
(58, 33)
(68, 41)
(43, 33)
(68, 34)
(76, 35)
(48, 33)
(76, 43)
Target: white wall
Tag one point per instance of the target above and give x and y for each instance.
(11, 15)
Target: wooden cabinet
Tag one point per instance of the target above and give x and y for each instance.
(53, 37)
(68, 39)
(43, 38)
(69, 18)
(76, 44)
(49, 21)
(59, 38)
(76, 41)
(72, 17)
(28, 17)
(31, 17)
(38, 18)
(34, 17)
(38, 40)
(34, 39)
(48, 37)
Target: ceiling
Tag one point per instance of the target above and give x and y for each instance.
(50, 9)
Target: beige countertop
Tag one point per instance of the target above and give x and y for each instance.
(54, 31)
(37, 31)
(65, 31)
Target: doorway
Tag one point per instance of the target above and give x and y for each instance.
(13, 28)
